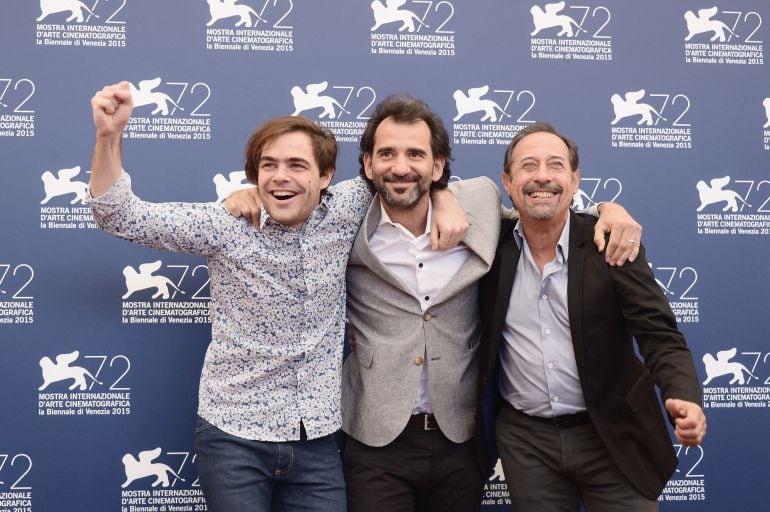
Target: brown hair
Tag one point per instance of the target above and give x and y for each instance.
(322, 139)
(407, 109)
(540, 126)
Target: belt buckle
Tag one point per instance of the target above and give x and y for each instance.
(430, 422)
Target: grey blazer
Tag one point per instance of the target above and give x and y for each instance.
(380, 378)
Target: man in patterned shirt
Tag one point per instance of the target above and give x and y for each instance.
(269, 401)
(408, 390)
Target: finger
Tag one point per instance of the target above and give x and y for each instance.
(599, 240)
(434, 237)
(614, 248)
(675, 408)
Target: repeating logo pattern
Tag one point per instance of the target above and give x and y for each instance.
(413, 27)
(96, 385)
(574, 32)
(73, 23)
(15, 481)
(163, 480)
(495, 489)
(169, 111)
(343, 108)
(736, 379)
(240, 26)
(233, 182)
(154, 298)
(487, 116)
(17, 116)
(17, 304)
(658, 122)
(729, 206)
(63, 206)
(714, 37)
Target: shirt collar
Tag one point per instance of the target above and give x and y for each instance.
(562, 245)
(385, 219)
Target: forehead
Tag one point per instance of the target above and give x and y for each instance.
(390, 133)
(294, 144)
(540, 145)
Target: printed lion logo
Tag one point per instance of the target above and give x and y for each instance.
(473, 102)
(221, 9)
(629, 106)
(716, 194)
(146, 95)
(144, 279)
(62, 184)
(766, 104)
(61, 370)
(75, 8)
(581, 200)
(703, 23)
(498, 474)
(389, 12)
(312, 99)
(721, 365)
(549, 17)
(144, 467)
(234, 181)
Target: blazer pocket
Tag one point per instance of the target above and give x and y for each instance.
(639, 394)
(364, 354)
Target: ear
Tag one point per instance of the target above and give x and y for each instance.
(327, 179)
(438, 167)
(368, 165)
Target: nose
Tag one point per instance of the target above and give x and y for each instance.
(400, 165)
(281, 174)
(542, 175)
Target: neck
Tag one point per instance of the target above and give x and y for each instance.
(542, 236)
(414, 219)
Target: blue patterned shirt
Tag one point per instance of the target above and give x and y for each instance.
(277, 304)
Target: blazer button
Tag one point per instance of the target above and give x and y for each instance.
(426, 316)
(418, 360)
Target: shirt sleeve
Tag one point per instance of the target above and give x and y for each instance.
(192, 228)
(353, 197)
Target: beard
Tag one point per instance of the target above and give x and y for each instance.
(542, 211)
(405, 200)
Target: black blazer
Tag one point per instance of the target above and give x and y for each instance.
(608, 308)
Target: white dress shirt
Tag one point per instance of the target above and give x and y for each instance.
(423, 271)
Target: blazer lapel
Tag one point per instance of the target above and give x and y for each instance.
(576, 270)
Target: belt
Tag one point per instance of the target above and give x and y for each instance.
(563, 421)
(423, 422)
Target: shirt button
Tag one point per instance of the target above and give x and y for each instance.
(545, 297)
(418, 360)
(550, 366)
(427, 298)
(556, 399)
(548, 331)
(419, 265)
(426, 316)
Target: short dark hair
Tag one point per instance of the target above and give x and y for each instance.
(407, 109)
(322, 139)
(538, 127)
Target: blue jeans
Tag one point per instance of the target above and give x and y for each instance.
(239, 475)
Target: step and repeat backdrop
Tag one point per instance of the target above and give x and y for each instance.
(101, 341)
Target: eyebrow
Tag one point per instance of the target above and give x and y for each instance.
(419, 151)
(290, 160)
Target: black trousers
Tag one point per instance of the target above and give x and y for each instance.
(419, 471)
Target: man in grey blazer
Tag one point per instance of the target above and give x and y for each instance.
(408, 389)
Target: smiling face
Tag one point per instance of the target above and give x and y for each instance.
(401, 165)
(289, 179)
(540, 180)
